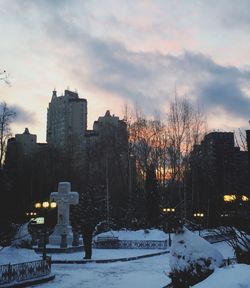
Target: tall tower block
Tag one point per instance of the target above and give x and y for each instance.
(66, 119)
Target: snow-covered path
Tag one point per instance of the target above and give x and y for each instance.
(142, 273)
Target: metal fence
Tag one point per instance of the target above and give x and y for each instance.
(132, 244)
(24, 271)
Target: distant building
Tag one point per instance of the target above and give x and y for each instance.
(66, 119)
(218, 168)
(25, 181)
(103, 160)
(26, 142)
(96, 158)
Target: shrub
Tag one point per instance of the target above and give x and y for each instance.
(191, 274)
(192, 258)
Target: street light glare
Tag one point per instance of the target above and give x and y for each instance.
(38, 205)
(53, 204)
(45, 204)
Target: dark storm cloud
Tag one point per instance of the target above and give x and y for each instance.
(23, 116)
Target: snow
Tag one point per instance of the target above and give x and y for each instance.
(13, 255)
(187, 247)
(236, 276)
(105, 254)
(226, 250)
(142, 273)
(149, 234)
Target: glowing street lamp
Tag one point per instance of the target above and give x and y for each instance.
(45, 206)
(169, 212)
(199, 216)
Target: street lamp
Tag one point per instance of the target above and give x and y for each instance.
(45, 206)
(169, 211)
(199, 216)
(31, 214)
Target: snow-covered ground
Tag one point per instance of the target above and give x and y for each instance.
(235, 276)
(105, 254)
(142, 273)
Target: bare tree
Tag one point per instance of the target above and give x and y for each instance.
(4, 76)
(185, 128)
(6, 117)
(165, 145)
(146, 137)
(240, 140)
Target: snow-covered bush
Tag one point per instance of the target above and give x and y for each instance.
(192, 258)
(22, 238)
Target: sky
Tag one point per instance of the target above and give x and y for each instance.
(117, 52)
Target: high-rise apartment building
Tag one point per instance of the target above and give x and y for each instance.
(66, 119)
(218, 168)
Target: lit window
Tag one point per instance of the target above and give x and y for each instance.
(229, 198)
(244, 198)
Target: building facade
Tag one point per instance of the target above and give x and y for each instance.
(66, 119)
(219, 171)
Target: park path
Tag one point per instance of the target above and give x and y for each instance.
(142, 273)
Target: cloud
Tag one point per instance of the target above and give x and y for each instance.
(227, 96)
(92, 45)
(149, 78)
(23, 116)
(231, 17)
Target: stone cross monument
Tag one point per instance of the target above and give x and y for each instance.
(64, 197)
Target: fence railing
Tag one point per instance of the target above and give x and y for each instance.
(131, 244)
(24, 271)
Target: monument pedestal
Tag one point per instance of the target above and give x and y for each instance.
(55, 237)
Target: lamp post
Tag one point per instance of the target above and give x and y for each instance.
(45, 206)
(169, 212)
(199, 216)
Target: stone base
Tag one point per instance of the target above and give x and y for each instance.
(55, 238)
(56, 249)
